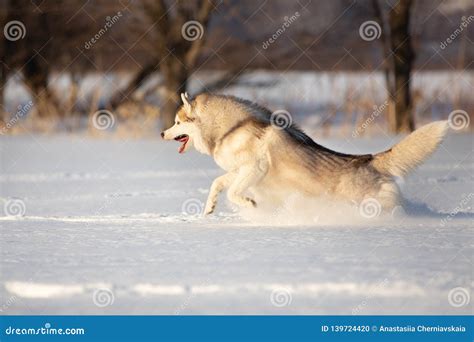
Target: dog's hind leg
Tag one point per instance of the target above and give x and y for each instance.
(389, 195)
(247, 177)
(219, 184)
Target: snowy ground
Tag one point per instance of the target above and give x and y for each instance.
(104, 232)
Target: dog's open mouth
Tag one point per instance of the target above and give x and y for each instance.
(183, 138)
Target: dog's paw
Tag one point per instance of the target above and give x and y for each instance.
(252, 202)
(208, 210)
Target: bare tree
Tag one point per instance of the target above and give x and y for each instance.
(4, 53)
(403, 56)
(176, 55)
(8, 49)
(387, 62)
(398, 62)
(33, 56)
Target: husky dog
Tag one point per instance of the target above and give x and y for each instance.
(265, 160)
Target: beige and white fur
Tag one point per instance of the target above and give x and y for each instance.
(264, 162)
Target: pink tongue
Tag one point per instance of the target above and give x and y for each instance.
(182, 147)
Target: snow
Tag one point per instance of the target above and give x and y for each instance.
(111, 227)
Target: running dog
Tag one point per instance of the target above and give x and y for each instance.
(266, 160)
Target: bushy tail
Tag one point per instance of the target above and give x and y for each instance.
(411, 151)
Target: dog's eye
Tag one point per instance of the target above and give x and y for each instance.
(178, 123)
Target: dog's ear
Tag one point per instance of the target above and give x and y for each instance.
(187, 103)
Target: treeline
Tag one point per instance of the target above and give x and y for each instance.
(49, 38)
(46, 40)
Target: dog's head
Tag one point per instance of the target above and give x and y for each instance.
(184, 129)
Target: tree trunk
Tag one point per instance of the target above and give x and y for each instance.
(3, 83)
(175, 80)
(387, 63)
(123, 95)
(5, 52)
(36, 78)
(402, 120)
(176, 57)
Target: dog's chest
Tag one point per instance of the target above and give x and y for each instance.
(235, 151)
(225, 161)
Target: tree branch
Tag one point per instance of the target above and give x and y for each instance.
(203, 16)
(122, 95)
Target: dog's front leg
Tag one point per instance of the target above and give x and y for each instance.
(219, 184)
(247, 176)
